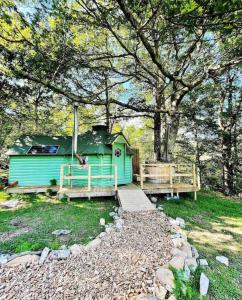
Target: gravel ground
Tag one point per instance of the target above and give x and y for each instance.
(121, 267)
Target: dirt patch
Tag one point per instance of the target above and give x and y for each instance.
(23, 226)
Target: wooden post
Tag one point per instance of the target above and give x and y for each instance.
(194, 175)
(61, 177)
(141, 177)
(115, 178)
(194, 181)
(89, 178)
(69, 173)
(170, 175)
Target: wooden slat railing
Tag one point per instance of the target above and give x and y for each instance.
(89, 175)
(169, 172)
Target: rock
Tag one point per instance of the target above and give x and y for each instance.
(187, 271)
(186, 247)
(102, 222)
(76, 249)
(175, 229)
(60, 254)
(178, 242)
(112, 213)
(178, 252)
(23, 260)
(177, 262)
(10, 203)
(4, 258)
(102, 234)
(195, 253)
(204, 284)
(63, 247)
(44, 255)
(181, 222)
(223, 260)
(93, 244)
(203, 262)
(160, 291)
(174, 222)
(160, 208)
(153, 199)
(119, 224)
(172, 297)
(60, 232)
(191, 263)
(120, 211)
(166, 278)
(179, 235)
(144, 297)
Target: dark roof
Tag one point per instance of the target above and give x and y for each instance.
(91, 142)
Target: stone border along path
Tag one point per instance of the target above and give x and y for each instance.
(129, 260)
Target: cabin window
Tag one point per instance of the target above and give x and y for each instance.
(43, 150)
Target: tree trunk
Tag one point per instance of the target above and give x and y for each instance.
(157, 124)
(227, 161)
(157, 136)
(169, 137)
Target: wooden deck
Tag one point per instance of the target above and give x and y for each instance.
(83, 192)
(132, 198)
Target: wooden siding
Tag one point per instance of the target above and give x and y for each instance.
(39, 170)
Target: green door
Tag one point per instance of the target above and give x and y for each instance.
(118, 159)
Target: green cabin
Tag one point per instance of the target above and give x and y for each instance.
(36, 160)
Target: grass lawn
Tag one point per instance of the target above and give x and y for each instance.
(214, 226)
(29, 227)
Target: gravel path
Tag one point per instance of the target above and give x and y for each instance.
(122, 266)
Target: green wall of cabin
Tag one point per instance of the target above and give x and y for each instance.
(39, 170)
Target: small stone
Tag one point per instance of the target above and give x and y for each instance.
(203, 262)
(63, 247)
(223, 260)
(172, 297)
(166, 278)
(174, 222)
(160, 291)
(4, 258)
(191, 263)
(204, 284)
(102, 222)
(23, 260)
(112, 213)
(187, 272)
(160, 208)
(178, 242)
(181, 222)
(177, 262)
(186, 247)
(10, 203)
(44, 255)
(119, 224)
(60, 254)
(76, 249)
(153, 199)
(120, 211)
(93, 244)
(178, 252)
(194, 252)
(102, 234)
(60, 232)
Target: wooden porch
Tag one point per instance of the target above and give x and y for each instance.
(153, 179)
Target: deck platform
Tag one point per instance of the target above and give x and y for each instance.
(132, 198)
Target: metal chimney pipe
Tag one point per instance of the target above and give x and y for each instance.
(75, 133)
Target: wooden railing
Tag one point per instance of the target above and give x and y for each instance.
(168, 172)
(69, 177)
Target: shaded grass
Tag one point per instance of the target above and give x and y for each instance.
(41, 216)
(214, 226)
